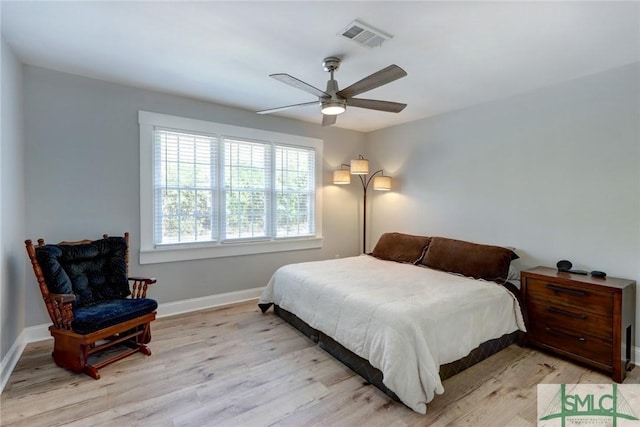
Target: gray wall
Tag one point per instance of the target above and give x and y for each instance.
(554, 172)
(12, 253)
(82, 155)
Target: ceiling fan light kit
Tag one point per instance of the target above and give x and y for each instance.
(334, 101)
(333, 108)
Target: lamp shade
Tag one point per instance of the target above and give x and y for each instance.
(341, 176)
(382, 183)
(359, 167)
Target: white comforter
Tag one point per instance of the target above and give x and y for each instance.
(406, 320)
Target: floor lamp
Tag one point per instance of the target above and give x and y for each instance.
(360, 167)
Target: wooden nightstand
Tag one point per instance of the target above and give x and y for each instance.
(587, 319)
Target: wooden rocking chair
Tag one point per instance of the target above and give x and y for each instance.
(85, 286)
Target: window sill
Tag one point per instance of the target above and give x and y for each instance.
(158, 255)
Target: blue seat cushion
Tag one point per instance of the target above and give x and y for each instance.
(94, 272)
(93, 317)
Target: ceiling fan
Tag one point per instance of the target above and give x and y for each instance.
(333, 101)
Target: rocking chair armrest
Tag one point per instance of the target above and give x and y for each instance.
(147, 280)
(60, 309)
(62, 298)
(139, 286)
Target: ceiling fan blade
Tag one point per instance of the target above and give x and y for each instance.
(374, 104)
(292, 81)
(377, 79)
(286, 107)
(328, 120)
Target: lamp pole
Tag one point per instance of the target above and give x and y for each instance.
(365, 186)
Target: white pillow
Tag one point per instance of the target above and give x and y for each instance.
(513, 274)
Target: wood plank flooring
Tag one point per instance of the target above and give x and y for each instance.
(234, 366)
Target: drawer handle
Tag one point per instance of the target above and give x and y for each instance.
(566, 313)
(565, 290)
(564, 334)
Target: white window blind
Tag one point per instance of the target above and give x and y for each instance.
(260, 199)
(247, 190)
(185, 187)
(295, 191)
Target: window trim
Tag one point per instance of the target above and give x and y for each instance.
(150, 254)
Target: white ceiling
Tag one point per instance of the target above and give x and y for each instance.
(456, 54)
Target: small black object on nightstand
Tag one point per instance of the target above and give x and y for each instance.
(565, 266)
(598, 274)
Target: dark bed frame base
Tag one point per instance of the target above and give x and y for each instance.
(373, 375)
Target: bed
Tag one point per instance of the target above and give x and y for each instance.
(400, 315)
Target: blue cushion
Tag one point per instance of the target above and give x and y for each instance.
(100, 315)
(94, 272)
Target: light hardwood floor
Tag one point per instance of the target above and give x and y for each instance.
(234, 366)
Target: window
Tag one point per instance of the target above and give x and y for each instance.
(247, 190)
(184, 187)
(210, 190)
(295, 191)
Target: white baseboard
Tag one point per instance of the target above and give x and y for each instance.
(41, 332)
(10, 360)
(28, 335)
(194, 304)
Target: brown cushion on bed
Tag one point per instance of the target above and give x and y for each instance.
(469, 259)
(400, 247)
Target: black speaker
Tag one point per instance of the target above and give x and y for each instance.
(564, 265)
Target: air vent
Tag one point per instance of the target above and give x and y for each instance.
(364, 35)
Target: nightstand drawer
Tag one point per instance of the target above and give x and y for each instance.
(567, 317)
(598, 302)
(573, 342)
